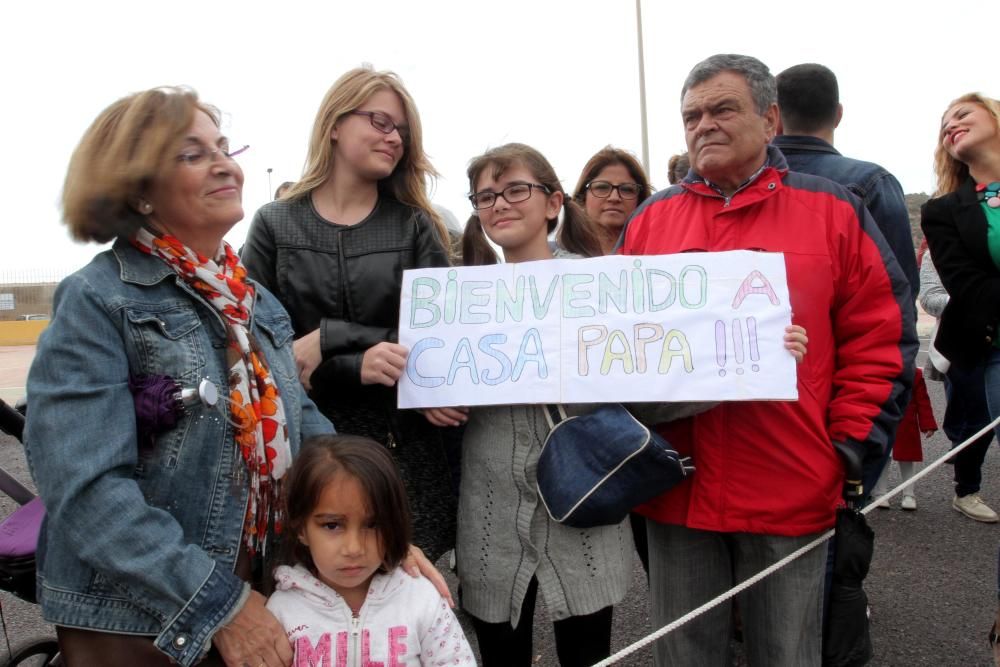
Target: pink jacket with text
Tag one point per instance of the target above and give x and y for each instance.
(404, 621)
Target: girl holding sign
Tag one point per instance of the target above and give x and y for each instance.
(333, 250)
(508, 548)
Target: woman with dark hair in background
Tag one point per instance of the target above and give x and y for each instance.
(334, 249)
(610, 188)
(678, 167)
(282, 189)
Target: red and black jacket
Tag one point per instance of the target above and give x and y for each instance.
(770, 467)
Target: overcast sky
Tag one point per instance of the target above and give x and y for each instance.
(560, 75)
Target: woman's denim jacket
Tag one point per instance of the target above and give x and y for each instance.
(143, 540)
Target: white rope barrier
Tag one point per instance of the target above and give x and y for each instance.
(716, 601)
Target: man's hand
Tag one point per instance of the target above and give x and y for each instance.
(853, 456)
(796, 341)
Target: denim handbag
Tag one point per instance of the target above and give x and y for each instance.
(595, 468)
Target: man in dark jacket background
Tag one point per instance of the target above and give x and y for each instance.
(809, 111)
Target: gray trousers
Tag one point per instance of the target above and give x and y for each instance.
(782, 614)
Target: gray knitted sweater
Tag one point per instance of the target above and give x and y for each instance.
(505, 536)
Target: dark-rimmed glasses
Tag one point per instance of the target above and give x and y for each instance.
(198, 154)
(384, 124)
(603, 189)
(512, 194)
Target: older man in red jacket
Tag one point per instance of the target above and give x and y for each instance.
(768, 475)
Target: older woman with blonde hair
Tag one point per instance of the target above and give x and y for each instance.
(155, 540)
(611, 187)
(333, 250)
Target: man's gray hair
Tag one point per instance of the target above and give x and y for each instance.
(762, 86)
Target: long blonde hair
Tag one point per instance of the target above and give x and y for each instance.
(408, 181)
(950, 171)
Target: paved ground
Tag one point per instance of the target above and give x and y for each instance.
(932, 584)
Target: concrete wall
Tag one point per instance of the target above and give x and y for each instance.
(21, 333)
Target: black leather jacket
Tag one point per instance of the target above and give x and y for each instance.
(342, 279)
(956, 229)
(345, 280)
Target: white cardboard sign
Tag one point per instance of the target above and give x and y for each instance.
(685, 327)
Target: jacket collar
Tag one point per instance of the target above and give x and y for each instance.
(971, 222)
(137, 267)
(967, 192)
(296, 577)
(774, 165)
(803, 143)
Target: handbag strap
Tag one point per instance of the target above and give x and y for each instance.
(554, 414)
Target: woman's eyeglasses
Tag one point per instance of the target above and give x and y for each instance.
(199, 155)
(384, 124)
(513, 193)
(603, 189)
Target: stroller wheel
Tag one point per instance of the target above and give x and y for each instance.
(35, 653)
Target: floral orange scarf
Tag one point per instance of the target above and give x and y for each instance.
(255, 404)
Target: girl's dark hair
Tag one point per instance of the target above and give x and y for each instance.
(576, 233)
(476, 249)
(319, 461)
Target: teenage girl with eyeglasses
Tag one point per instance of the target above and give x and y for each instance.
(334, 249)
(508, 548)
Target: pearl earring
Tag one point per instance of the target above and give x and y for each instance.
(145, 207)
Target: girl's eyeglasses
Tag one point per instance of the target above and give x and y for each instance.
(513, 193)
